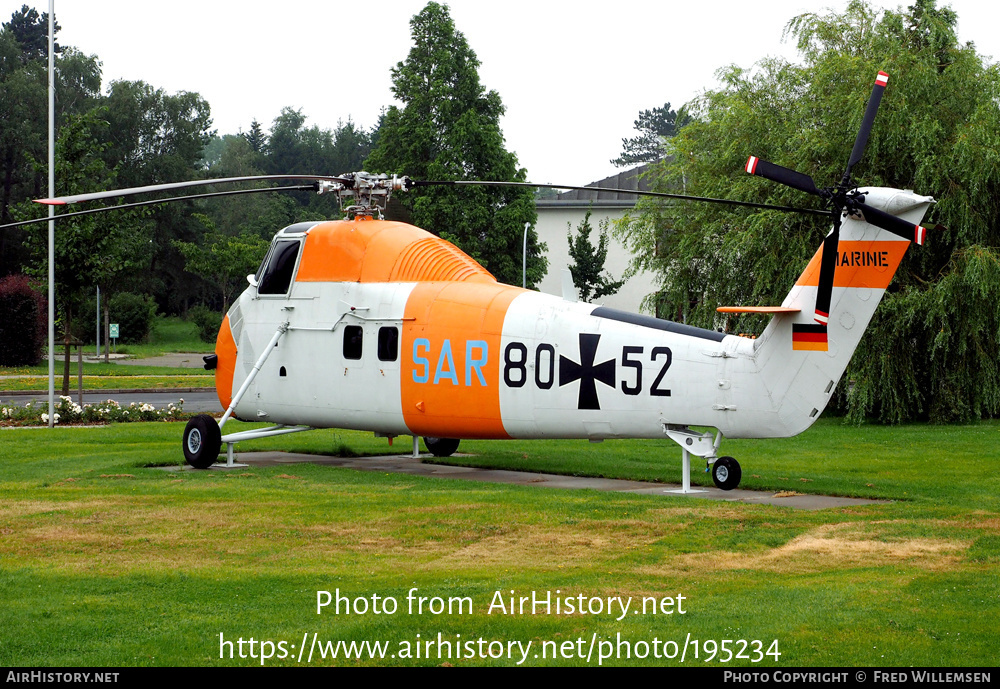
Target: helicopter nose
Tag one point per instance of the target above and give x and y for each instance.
(225, 369)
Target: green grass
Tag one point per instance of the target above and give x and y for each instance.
(169, 334)
(194, 379)
(104, 561)
(101, 369)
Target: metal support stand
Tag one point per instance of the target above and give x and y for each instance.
(692, 442)
(416, 448)
(686, 475)
(230, 464)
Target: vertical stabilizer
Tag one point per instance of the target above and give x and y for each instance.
(801, 360)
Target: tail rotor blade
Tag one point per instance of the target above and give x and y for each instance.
(782, 175)
(889, 222)
(866, 124)
(827, 269)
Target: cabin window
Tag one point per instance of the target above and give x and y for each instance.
(277, 273)
(353, 336)
(388, 344)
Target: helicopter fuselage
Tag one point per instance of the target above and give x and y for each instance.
(390, 329)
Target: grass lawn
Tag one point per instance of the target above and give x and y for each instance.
(116, 382)
(104, 561)
(168, 335)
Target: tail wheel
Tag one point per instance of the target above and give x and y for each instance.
(441, 447)
(202, 441)
(726, 473)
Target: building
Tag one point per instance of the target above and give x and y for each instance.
(567, 210)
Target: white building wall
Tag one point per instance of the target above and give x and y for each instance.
(552, 228)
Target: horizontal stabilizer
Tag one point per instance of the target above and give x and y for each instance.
(756, 309)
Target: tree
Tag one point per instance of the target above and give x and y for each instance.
(23, 96)
(588, 261)
(258, 214)
(294, 148)
(93, 250)
(936, 132)
(23, 321)
(449, 129)
(224, 260)
(32, 32)
(256, 137)
(156, 137)
(351, 147)
(655, 127)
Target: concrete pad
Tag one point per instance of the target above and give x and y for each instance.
(405, 464)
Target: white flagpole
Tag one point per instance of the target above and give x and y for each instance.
(52, 222)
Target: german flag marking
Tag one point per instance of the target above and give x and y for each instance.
(808, 337)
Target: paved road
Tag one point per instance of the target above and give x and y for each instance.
(197, 402)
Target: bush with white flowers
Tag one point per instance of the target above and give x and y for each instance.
(68, 411)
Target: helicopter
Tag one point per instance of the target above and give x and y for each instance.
(380, 326)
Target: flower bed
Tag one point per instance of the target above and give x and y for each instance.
(68, 412)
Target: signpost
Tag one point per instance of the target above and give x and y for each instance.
(113, 334)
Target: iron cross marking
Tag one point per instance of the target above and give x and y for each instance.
(587, 372)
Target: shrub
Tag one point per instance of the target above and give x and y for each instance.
(207, 320)
(23, 322)
(134, 315)
(68, 411)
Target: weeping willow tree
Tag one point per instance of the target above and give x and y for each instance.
(931, 351)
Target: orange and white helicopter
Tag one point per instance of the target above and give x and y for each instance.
(381, 326)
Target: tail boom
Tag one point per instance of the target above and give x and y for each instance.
(798, 361)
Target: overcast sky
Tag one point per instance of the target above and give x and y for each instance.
(573, 76)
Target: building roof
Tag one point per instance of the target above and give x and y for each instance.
(629, 179)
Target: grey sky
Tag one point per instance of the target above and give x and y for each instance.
(573, 76)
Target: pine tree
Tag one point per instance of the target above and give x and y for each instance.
(588, 261)
(655, 127)
(449, 129)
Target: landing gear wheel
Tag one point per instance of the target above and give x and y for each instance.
(202, 441)
(726, 473)
(441, 447)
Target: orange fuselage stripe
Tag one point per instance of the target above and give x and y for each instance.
(382, 251)
(225, 349)
(860, 264)
(451, 359)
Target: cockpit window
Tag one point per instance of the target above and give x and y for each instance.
(280, 265)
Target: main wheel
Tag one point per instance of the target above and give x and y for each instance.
(441, 447)
(202, 441)
(726, 473)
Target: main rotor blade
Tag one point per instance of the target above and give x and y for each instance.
(782, 175)
(657, 194)
(889, 222)
(116, 193)
(126, 206)
(866, 124)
